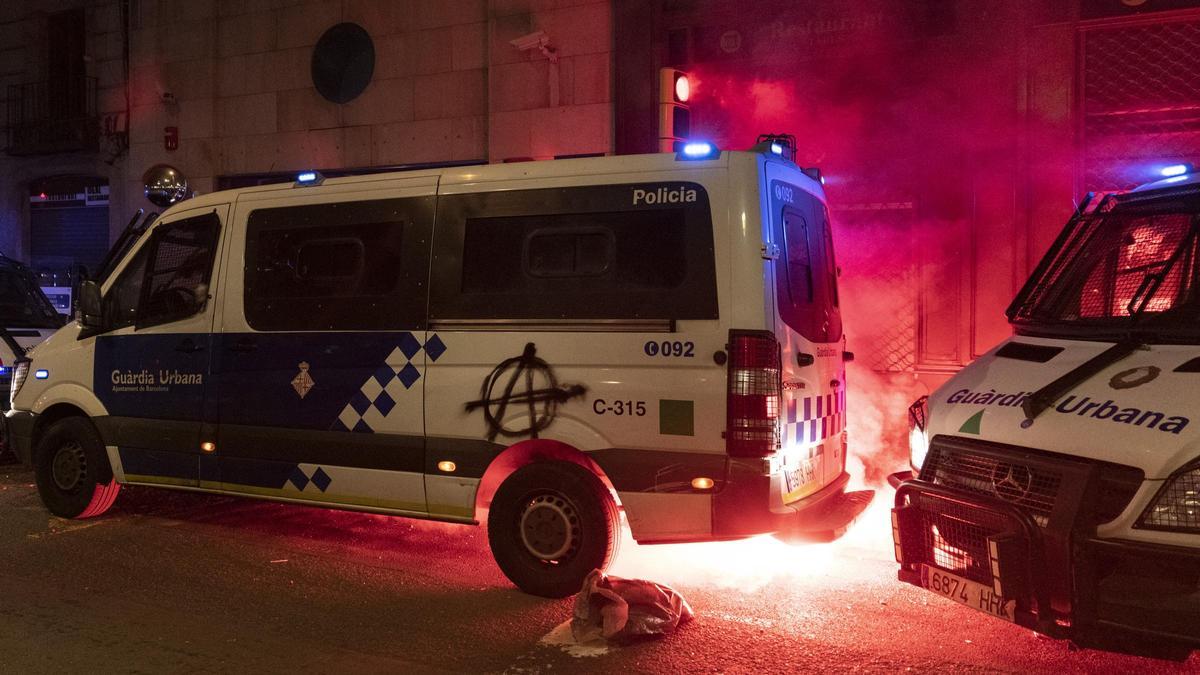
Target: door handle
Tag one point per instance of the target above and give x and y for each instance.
(243, 345)
(189, 346)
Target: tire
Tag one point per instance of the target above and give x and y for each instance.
(550, 525)
(72, 471)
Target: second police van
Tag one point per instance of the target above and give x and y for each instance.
(26, 318)
(545, 343)
(1056, 480)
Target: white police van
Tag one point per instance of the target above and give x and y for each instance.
(1058, 476)
(553, 340)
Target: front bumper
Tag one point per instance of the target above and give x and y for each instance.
(18, 433)
(1107, 594)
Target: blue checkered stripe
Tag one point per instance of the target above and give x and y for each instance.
(302, 479)
(380, 393)
(813, 419)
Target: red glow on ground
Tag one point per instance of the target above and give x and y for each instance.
(877, 432)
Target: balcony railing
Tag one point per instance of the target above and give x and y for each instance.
(53, 116)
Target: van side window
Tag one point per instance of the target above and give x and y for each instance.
(179, 270)
(339, 266)
(573, 254)
(619, 251)
(121, 300)
(168, 278)
(798, 260)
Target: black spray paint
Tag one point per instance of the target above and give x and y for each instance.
(542, 403)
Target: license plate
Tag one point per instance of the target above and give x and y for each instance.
(800, 476)
(966, 592)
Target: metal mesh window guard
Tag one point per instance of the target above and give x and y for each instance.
(1115, 263)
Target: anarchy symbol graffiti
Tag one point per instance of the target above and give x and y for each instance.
(531, 383)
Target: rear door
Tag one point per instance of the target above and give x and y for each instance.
(321, 353)
(809, 326)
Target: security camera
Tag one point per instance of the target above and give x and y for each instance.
(539, 41)
(536, 40)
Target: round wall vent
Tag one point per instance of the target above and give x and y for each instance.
(342, 62)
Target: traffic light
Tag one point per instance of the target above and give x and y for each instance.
(674, 116)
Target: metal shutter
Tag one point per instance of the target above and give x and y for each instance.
(60, 237)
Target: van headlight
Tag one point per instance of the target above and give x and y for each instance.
(1176, 507)
(20, 374)
(918, 432)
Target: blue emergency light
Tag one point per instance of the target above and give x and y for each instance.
(1176, 170)
(780, 145)
(699, 150)
(306, 178)
(41, 374)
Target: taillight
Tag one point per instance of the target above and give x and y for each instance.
(20, 372)
(754, 394)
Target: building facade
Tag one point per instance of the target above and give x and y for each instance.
(955, 136)
(225, 92)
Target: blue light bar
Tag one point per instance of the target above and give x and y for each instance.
(41, 374)
(3, 370)
(309, 178)
(777, 148)
(699, 150)
(1176, 170)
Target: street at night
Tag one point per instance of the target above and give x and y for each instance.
(666, 336)
(175, 582)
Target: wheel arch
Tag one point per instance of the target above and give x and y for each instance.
(48, 417)
(528, 452)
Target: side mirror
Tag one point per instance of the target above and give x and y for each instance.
(90, 313)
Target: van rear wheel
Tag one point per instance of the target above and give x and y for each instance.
(550, 524)
(72, 471)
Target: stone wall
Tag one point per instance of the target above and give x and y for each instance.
(234, 76)
(542, 109)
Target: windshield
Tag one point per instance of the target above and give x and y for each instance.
(1126, 268)
(22, 303)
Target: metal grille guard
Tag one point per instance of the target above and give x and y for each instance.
(1027, 579)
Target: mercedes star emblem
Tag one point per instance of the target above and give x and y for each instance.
(1012, 482)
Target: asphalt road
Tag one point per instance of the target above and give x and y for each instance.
(176, 582)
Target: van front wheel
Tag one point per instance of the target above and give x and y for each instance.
(72, 471)
(550, 524)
